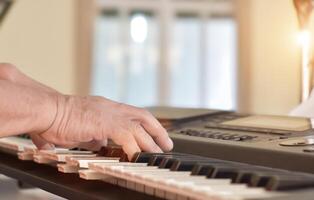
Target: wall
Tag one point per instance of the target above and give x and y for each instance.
(269, 57)
(38, 37)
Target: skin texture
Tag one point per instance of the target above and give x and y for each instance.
(52, 118)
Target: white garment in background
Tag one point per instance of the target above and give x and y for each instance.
(305, 109)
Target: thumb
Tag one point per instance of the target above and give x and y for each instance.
(41, 143)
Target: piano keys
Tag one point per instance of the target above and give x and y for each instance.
(173, 175)
(215, 157)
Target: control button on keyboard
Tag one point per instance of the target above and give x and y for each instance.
(309, 150)
(246, 137)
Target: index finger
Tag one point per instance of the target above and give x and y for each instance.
(156, 131)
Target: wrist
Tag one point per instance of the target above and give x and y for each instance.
(53, 107)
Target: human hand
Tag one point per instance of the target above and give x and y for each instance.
(94, 119)
(89, 121)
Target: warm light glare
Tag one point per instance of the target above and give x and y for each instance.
(139, 28)
(304, 40)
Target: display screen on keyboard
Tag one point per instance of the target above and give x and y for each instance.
(271, 122)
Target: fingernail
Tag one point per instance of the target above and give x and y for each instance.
(170, 142)
(158, 150)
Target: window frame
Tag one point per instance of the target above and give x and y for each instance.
(165, 12)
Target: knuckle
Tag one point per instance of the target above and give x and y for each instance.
(8, 65)
(145, 113)
(8, 71)
(141, 110)
(135, 127)
(120, 106)
(98, 98)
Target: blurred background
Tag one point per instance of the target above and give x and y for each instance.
(225, 54)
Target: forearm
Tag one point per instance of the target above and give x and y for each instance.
(25, 109)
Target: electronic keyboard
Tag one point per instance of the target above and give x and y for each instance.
(217, 155)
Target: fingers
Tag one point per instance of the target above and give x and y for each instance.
(41, 143)
(127, 142)
(150, 124)
(156, 131)
(145, 141)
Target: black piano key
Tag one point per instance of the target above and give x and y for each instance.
(238, 174)
(221, 169)
(183, 165)
(188, 165)
(231, 173)
(206, 169)
(261, 178)
(168, 162)
(246, 176)
(157, 159)
(144, 157)
(201, 169)
(254, 176)
(289, 183)
(281, 181)
(225, 171)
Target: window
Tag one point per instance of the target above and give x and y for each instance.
(4, 8)
(166, 52)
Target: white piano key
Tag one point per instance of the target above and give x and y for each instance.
(60, 155)
(88, 174)
(102, 167)
(35, 150)
(152, 174)
(130, 185)
(162, 176)
(176, 186)
(31, 150)
(226, 191)
(91, 175)
(16, 144)
(159, 193)
(158, 183)
(170, 196)
(141, 174)
(83, 162)
(113, 181)
(138, 176)
(249, 193)
(139, 187)
(137, 168)
(122, 182)
(181, 183)
(76, 159)
(159, 173)
(65, 168)
(149, 190)
(142, 178)
(25, 156)
(141, 167)
(42, 160)
(182, 197)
